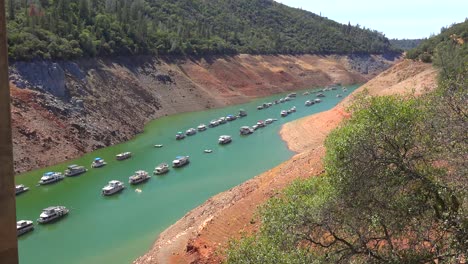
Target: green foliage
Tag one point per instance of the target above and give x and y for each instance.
(193, 27)
(395, 189)
(457, 33)
(405, 44)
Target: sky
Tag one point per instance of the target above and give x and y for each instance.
(410, 19)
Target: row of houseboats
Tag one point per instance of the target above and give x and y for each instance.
(53, 213)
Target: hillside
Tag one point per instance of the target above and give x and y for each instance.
(79, 106)
(70, 29)
(203, 233)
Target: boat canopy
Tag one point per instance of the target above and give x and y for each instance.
(96, 159)
(180, 157)
(48, 173)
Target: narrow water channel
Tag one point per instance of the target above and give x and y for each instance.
(120, 228)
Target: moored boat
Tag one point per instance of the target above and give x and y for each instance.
(308, 103)
(180, 135)
(123, 156)
(245, 130)
(269, 121)
(291, 95)
(139, 177)
(293, 109)
(23, 227)
(338, 95)
(112, 187)
(74, 170)
(191, 131)
(242, 113)
(260, 123)
(214, 123)
(317, 100)
(20, 189)
(306, 93)
(222, 120)
(180, 161)
(51, 177)
(161, 169)
(231, 118)
(260, 107)
(98, 162)
(52, 213)
(201, 127)
(158, 146)
(320, 95)
(224, 139)
(255, 127)
(208, 151)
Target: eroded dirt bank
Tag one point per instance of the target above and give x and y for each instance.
(61, 110)
(202, 234)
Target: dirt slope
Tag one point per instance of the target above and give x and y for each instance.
(64, 109)
(201, 235)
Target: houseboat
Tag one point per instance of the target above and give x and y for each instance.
(161, 169)
(245, 130)
(51, 177)
(180, 161)
(112, 187)
(123, 156)
(23, 227)
(20, 189)
(201, 127)
(191, 131)
(179, 135)
(74, 170)
(52, 213)
(225, 139)
(98, 162)
(139, 177)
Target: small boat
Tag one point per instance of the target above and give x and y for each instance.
(306, 93)
(112, 187)
(265, 105)
(320, 95)
(180, 161)
(308, 103)
(52, 213)
(51, 177)
(214, 123)
(231, 118)
(291, 95)
(287, 99)
(317, 100)
(345, 89)
(242, 113)
(208, 150)
(191, 131)
(269, 121)
(282, 100)
(201, 127)
(293, 109)
(260, 123)
(123, 156)
(20, 189)
(339, 95)
(158, 146)
(139, 177)
(260, 107)
(23, 227)
(98, 162)
(245, 130)
(180, 135)
(161, 169)
(74, 170)
(284, 113)
(224, 139)
(255, 127)
(270, 104)
(222, 120)
(276, 102)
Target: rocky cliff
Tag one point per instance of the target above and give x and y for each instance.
(63, 109)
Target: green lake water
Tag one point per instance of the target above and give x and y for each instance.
(120, 228)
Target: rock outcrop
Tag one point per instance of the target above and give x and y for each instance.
(63, 109)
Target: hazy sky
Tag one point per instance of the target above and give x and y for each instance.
(395, 18)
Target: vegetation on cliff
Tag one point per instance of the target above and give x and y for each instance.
(405, 44)
(65, 29)
(394, 191)
(454, 36)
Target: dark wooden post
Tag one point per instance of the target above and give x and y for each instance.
(8, 240)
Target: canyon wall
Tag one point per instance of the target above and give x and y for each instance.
(63, 109)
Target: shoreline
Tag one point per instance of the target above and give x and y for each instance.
(202, 234)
